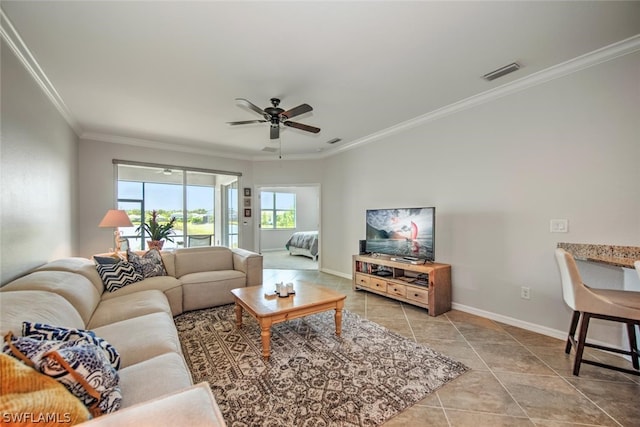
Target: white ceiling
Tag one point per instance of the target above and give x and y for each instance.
(169, 71)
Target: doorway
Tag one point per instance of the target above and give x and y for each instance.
(286, 210)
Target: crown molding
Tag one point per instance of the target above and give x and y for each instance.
(607, 53)
(148, 143)
(24, 55)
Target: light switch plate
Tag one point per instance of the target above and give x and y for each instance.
(559, 225)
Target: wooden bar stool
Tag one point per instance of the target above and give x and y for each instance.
(587, 303)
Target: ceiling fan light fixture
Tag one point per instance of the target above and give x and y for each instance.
(502, 71)
(276, 116)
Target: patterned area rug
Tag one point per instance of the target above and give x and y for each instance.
(313, 377)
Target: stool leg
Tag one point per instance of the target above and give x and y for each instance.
(633, 343)
(572, 330)
(584, 326)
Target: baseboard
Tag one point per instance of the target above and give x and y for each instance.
(533, 327)
(543, 330)
(336, 273)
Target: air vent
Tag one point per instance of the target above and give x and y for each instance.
(270, 149)
(334, 140)
(501, 71)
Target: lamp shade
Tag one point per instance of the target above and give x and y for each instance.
(115, 218)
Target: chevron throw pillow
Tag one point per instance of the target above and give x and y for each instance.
(116, 276)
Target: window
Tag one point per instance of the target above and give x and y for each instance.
(188, 195)
(277, 210)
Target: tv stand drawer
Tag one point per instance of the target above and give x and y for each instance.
(378, 284)
(362, 280)
(419, 295)
(397, 290)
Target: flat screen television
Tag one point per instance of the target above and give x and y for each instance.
(406, 232)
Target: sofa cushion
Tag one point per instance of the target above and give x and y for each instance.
(169, 262)
(211, 277)
(116, 276)
(142, 338)
(129, 306)
(25, 390)
(75, 288)
(210, 288)
(194, 406)
(193, 260)
(153, 377)
(42, 331)
(36, 306)
(250, 263)
(149, 265)
(171, 287)
(82, 266)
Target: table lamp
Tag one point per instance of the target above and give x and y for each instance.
(115, 218)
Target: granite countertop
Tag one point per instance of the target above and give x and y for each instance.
(617, 256)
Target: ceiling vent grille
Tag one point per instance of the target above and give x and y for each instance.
(502, 71)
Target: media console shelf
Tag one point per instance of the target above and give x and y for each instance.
(425, 285)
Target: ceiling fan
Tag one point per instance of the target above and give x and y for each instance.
(275, 116)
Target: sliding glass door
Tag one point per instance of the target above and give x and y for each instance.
(231, 217)
(193, 197)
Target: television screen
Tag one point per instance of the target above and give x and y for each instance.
(402, 232)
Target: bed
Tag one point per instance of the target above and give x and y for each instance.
(303, 243)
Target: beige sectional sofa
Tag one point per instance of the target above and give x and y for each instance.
(138, 321)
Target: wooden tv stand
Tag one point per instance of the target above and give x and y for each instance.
(431, 290)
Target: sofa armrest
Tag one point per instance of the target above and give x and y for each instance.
(193, 406)
(250, 263)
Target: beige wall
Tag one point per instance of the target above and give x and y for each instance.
(497, 174)
(38, 175)
(96, 190)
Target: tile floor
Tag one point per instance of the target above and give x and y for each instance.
(517, 377)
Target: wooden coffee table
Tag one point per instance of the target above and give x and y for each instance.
(268, 308)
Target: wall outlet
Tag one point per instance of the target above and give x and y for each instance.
(525, 292)
(559, 225)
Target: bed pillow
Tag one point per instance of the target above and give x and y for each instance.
(27, 391)
(148, 265)
(116, 276)
(42, 331)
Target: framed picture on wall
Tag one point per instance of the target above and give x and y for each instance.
(247, 192)
(247, 202)
(247, 213)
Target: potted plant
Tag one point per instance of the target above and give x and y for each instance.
(157, 232)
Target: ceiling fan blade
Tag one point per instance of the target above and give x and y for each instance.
(296, 111)
(246, 103)
(300, 126)
(275, 132)
(246, 122)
